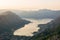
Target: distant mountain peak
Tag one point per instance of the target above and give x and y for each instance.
(6, 13)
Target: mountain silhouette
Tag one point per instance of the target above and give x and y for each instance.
(39, 14)
(9, 21)
(49, 31)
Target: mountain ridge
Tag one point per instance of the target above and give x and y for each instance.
(40, 14)
(51, 31)
(9, 21)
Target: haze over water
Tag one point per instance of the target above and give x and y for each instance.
(28, 29)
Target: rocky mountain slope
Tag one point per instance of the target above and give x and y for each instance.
(52, 31)
(9, 21)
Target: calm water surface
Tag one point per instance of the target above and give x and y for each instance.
(28, 29)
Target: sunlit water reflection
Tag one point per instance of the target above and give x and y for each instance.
(28, 29)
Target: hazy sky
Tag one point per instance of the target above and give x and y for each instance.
(30, 4)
